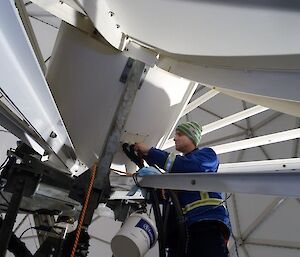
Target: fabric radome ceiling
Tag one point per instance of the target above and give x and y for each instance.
(262, 225)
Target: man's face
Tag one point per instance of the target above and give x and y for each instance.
(182, 142)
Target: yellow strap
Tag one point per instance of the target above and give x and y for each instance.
(204, 195)
(169, 162)
(193, 205)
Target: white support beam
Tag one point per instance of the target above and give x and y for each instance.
(281, 183)
(30, 33)
(270, 165)
(189, 93)
(257, 141)
(224, 122)
(200, 100)
(37, 109)
(233, 118)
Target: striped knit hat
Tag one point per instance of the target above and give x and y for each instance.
(192, 130)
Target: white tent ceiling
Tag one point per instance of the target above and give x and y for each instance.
(262, 225)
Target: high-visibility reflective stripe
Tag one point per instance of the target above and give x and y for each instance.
(204, 195)
(193, 205)
(169, 162)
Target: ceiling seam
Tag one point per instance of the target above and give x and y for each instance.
(236, 214)
(42, 21)
(262, 217)
(261, 243)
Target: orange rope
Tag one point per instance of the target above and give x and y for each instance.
(83, 211)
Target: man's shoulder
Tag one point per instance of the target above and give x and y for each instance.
(206, 153)
(206, 150)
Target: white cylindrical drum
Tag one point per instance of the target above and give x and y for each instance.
(137, 235)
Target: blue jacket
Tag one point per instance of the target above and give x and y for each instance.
(197, 206)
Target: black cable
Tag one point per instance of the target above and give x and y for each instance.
(134, 176)
(166, 213)
(159, 222)
(181, 224)
(25, 231)
(41, 228)
(3, 197)
(4, 163)
(150, 211)
(6, 159)
(16, 246)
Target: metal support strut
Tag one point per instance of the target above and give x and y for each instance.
(10, 217)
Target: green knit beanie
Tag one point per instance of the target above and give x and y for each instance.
(192, 130)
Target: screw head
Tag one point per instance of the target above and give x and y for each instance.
(53, 134)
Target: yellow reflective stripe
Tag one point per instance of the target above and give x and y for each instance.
(169, 162)
(193, 205)
(204, 195)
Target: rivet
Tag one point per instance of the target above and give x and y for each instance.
(53, 134)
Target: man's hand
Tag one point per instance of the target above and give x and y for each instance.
(141, 148)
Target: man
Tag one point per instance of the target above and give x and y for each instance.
(206, 216)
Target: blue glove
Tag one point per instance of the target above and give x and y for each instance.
(146, 171)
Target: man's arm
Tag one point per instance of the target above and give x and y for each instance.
(203, 162)
(152, 155)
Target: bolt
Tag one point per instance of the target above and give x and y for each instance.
(193, 182)
(240, 241)
(118, 26)
(53, 134)
(111, 13)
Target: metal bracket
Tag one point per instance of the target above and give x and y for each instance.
(126, 70)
